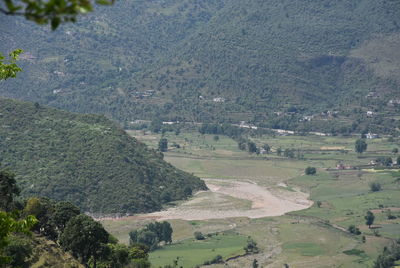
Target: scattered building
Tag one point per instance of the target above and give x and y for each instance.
(138, 122)
(283, 132)
(170, 122)
(329, 113)
(243, 124)
(342, 166)
(394, 102)
(370, 113)
(372, 95)
(371, 136)
(319, 134)
(59, 73)
(307, 118)
(219, 99)
(144, 94)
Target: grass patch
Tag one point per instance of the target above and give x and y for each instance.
(193, 252)
(305, 249)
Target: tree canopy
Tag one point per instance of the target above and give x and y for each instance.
(49, 12)
(369, 218)
(360, 146)
(8, 189)
(85, 238)
(152, 234)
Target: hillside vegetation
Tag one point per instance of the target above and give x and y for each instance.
(87, 160)
(150, 59)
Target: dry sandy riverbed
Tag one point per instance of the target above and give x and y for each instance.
(214, 204)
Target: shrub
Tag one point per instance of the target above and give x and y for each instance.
(375, 187)
(384, 161)
(215, 260)
(354, 230)
(311, 171)
(390, 216)
(199, 236)
(251, 247)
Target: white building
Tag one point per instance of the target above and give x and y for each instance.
(219, 99)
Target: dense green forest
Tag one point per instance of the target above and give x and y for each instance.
(86, 160)
(60, 230)
(270, 62)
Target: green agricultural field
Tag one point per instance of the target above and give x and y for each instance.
(314, 237)
(345, 199)
(311, 244)
(193, 252)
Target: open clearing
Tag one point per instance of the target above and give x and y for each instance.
(192, 252)
(264, 203)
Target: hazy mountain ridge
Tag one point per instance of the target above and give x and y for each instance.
(87, 160)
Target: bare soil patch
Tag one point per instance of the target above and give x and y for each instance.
(264, 202)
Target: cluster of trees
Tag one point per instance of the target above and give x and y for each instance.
(221, 129)
(247, 145)
(61, 222)
(389, 256)
(354, 230)
(385, 161)
(152, 235)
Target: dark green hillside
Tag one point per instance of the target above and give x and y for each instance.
(99, 54)
(266, 56)
(85, 159)
(262, 56)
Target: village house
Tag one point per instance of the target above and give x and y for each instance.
(370, 113)
(219, 99)
(394, 102)
(342, 166)
(243, 124)
(371, 136)
(170, 122)
(307, 118)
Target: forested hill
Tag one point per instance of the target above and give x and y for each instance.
(145, 59)
(87, 160)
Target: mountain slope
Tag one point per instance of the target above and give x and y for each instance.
(261, 56)
(91, 58)
(85, 159)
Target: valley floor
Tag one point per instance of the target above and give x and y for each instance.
(296, 219)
